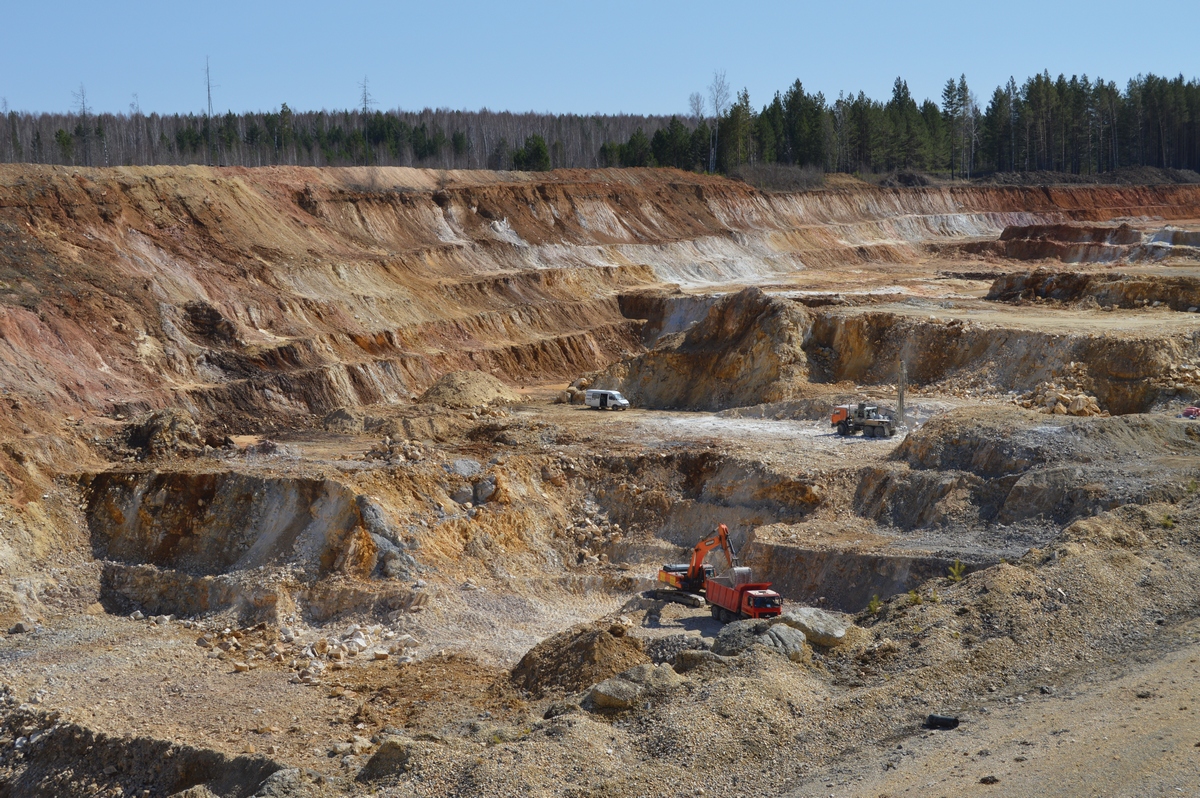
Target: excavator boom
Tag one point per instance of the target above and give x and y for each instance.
(688, 579)
(720, 539)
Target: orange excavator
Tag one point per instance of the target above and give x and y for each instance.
(688, 578)
(731, 596)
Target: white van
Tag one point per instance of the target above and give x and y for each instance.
(605, 400)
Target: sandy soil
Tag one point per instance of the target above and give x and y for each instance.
(1031, 573)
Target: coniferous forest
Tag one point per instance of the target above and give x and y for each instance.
(1070, 125)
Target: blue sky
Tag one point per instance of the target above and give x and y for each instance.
(562, 56)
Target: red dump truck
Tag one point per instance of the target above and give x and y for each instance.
(731, 599)
(731, 596)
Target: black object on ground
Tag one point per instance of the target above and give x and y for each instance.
(941, 722)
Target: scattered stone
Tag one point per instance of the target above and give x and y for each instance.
(241, 667)
(989, 780)
(666, 649)
(484, 490)
(199, 791)
(466, 467)
(380, 655)
(463, 494)
(19, 628)
(691, 659)
(137, 615)
(560, 708)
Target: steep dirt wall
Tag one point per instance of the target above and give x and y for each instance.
(747, 349)
(1091, 243)
(841, 579)
(291, 291)
(215, 523)
(868, 347)
(1109, 289)
(750, 348)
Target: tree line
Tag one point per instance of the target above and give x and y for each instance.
(1072, 125)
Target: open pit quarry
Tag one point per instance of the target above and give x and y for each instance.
(299, 496)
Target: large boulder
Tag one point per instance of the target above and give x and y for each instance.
(616, 693)
(820, 627)
(395, 755)
(747, 349)
(736, 637)
(739, 636)
(789, 642)
(656, 678)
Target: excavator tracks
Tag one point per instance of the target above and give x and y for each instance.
(677, 596)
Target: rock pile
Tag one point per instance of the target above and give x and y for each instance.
(165, 432)
(1058, 400)
(624, 690)
(591, 531)
(395, 452)
(251, 647)
(576, 392)
(577, 658)
(1181, 379)
(465, 389)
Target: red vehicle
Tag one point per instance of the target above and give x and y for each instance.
(688, 578)
(732, 602)
(732, 595)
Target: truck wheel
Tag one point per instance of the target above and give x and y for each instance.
(869, 432)
(889, 431)
(715, 611)
(843, 429)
